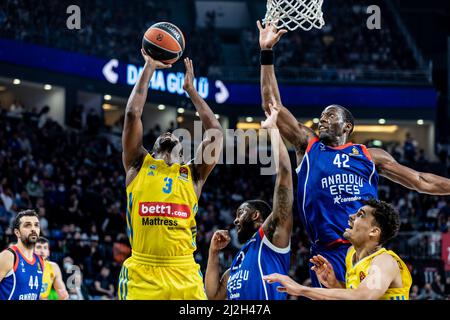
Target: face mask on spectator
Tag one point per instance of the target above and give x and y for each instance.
(61, 188)
(68, 266)
(35, 179)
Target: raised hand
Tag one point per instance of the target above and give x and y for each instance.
(152, 62)
(269, 35)
(271, 119)
(324, 271)
(189, 75)
(219, 240)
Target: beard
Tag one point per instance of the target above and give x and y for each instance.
(29, 241)
(167, 145)
(246, 232)
(327, 138)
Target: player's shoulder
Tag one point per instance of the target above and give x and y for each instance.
(385, 260)
(7, 259)
(54, 265)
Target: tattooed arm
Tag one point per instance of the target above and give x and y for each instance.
(278, 226)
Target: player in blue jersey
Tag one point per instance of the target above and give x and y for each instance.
(334, 175)
(21, 269)
(265, 232)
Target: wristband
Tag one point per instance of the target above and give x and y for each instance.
(266, 57)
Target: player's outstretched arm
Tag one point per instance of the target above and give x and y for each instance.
(210, 148)
(278, 226)
(295, 132)
(420, 181)
(216, 286)
(133, 151)
(382, 273)
(6, 263)
(58, 283)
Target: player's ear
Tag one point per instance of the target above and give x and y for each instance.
(375, 232)
(256, 215)
(348, 127)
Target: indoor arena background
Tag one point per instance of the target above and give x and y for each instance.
(63, 93)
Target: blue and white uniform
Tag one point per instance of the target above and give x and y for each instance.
(24, 281)
(332, 183)
(257, 258)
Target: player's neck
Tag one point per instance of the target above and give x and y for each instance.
(337, 142)
(365, 251)
(27, 252)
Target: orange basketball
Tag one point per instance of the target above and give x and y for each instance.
(164, 42)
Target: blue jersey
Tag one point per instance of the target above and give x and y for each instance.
(24, 281)
(332, 182)
(256, 258)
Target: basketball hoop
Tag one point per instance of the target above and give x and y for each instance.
(293, 14)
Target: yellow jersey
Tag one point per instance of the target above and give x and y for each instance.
(161, 209)
(47, 279)
(356, 273)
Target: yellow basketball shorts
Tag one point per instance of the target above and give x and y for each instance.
(143, 281)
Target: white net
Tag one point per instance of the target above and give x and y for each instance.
(293, 14)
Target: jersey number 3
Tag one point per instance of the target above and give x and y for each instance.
(341, 160)
(168, 187)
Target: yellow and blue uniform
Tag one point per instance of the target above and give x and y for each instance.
(161, 209)
(47, 279)
(356, 273)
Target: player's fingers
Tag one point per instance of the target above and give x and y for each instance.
(323, 259)
(258, 24)
(315, 261)
(281, 289)
(281, 32)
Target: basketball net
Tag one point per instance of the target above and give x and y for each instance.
(293, 14)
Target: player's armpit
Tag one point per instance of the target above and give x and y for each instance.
(419, 181)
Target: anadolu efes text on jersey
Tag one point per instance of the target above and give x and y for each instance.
(257, 258)
(332, 182)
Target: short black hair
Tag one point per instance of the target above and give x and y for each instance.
(348, 116)
(42, 240)
(25, 213)
(386, 217)
(260, 205)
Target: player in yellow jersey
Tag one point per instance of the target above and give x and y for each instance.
(52, 276)
(162, 196)
(372, 271)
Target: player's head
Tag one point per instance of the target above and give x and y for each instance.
(42, 248)
(335, 121)
(169, 143)
(377, 222)
(249, 217)
(26, 227)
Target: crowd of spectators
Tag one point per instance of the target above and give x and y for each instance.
(343, 49)
(75, 180)
(108, 28)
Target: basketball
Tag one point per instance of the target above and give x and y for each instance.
(164, 42)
